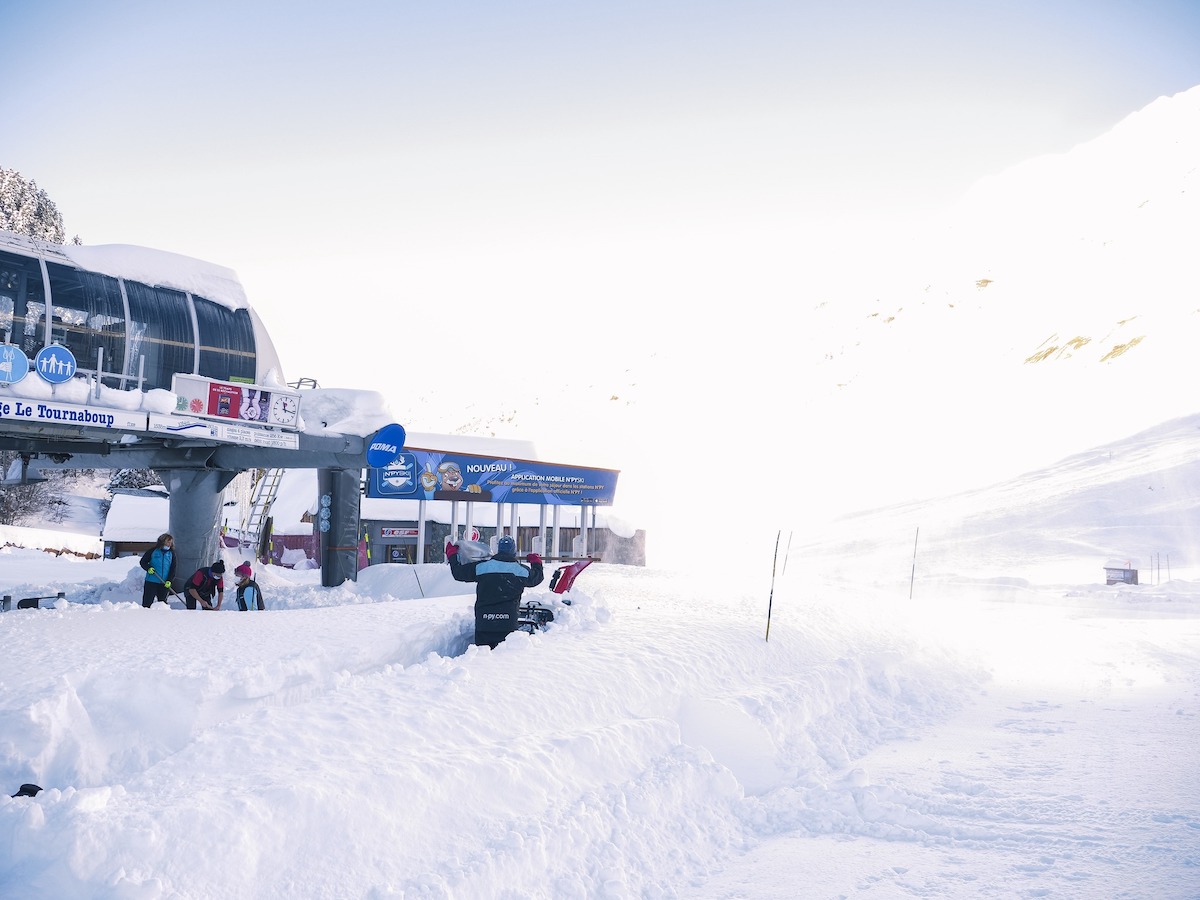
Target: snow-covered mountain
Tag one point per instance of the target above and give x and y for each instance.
(1054, 307)
(1135, 501)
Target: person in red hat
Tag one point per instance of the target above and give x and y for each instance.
(249, 595)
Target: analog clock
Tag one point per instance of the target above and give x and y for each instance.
(284, 409)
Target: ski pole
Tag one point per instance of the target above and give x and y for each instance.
(771, 596)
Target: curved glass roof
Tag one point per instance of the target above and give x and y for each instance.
(133, 315)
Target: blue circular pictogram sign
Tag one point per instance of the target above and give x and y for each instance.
(14, 365)
(56, 364)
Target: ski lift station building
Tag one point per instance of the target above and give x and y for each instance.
(126, 357)
(132, 316)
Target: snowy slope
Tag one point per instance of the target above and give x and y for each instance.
(1003, 733)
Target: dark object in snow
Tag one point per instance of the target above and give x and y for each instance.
(533, 616)
(30, 602)
(564, 576)
(27, 790)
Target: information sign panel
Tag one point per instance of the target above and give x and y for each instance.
(224, 432)
(232, 401)
(47, 412)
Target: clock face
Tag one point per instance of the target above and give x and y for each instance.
(284, 409)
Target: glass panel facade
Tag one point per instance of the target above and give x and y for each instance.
(22, 302)
(226, 341)
(160, 329)
(87, 315)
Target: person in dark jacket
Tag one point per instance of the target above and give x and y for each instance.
(499, 583)
(159, 563)
(205, 582)
(249, 594)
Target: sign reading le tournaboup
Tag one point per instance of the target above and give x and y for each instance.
(47, 412)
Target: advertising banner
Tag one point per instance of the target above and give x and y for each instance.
(231, 401)
(49, 412)
(433, 475)
(390, 532)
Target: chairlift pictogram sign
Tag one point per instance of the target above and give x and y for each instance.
(14, 364)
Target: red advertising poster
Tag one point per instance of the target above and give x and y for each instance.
(224, 400)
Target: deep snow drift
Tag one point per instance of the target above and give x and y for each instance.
(1017, 728)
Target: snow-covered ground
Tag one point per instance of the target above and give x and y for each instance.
(1014, 728)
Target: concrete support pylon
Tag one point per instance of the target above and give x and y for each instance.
(338, 524)
(195, 517)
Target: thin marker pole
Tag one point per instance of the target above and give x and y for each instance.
(771, 596)
(913, 577)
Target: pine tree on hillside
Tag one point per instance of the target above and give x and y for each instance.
(24, 504)
(26, 209)
(132, 479)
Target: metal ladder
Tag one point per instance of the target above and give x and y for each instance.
(263, 495)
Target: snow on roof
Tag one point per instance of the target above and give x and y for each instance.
(502, 448)
(132, 518)
(163, 269)
(343, 411)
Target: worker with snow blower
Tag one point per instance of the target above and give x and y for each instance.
(500, 580)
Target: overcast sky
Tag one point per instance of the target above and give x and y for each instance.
(418, 195)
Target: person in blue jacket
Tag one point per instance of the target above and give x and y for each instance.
(159, 563)
(499, 583)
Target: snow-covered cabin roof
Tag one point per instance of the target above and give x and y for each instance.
(132, 518)
(162, 269)
(157, 268)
